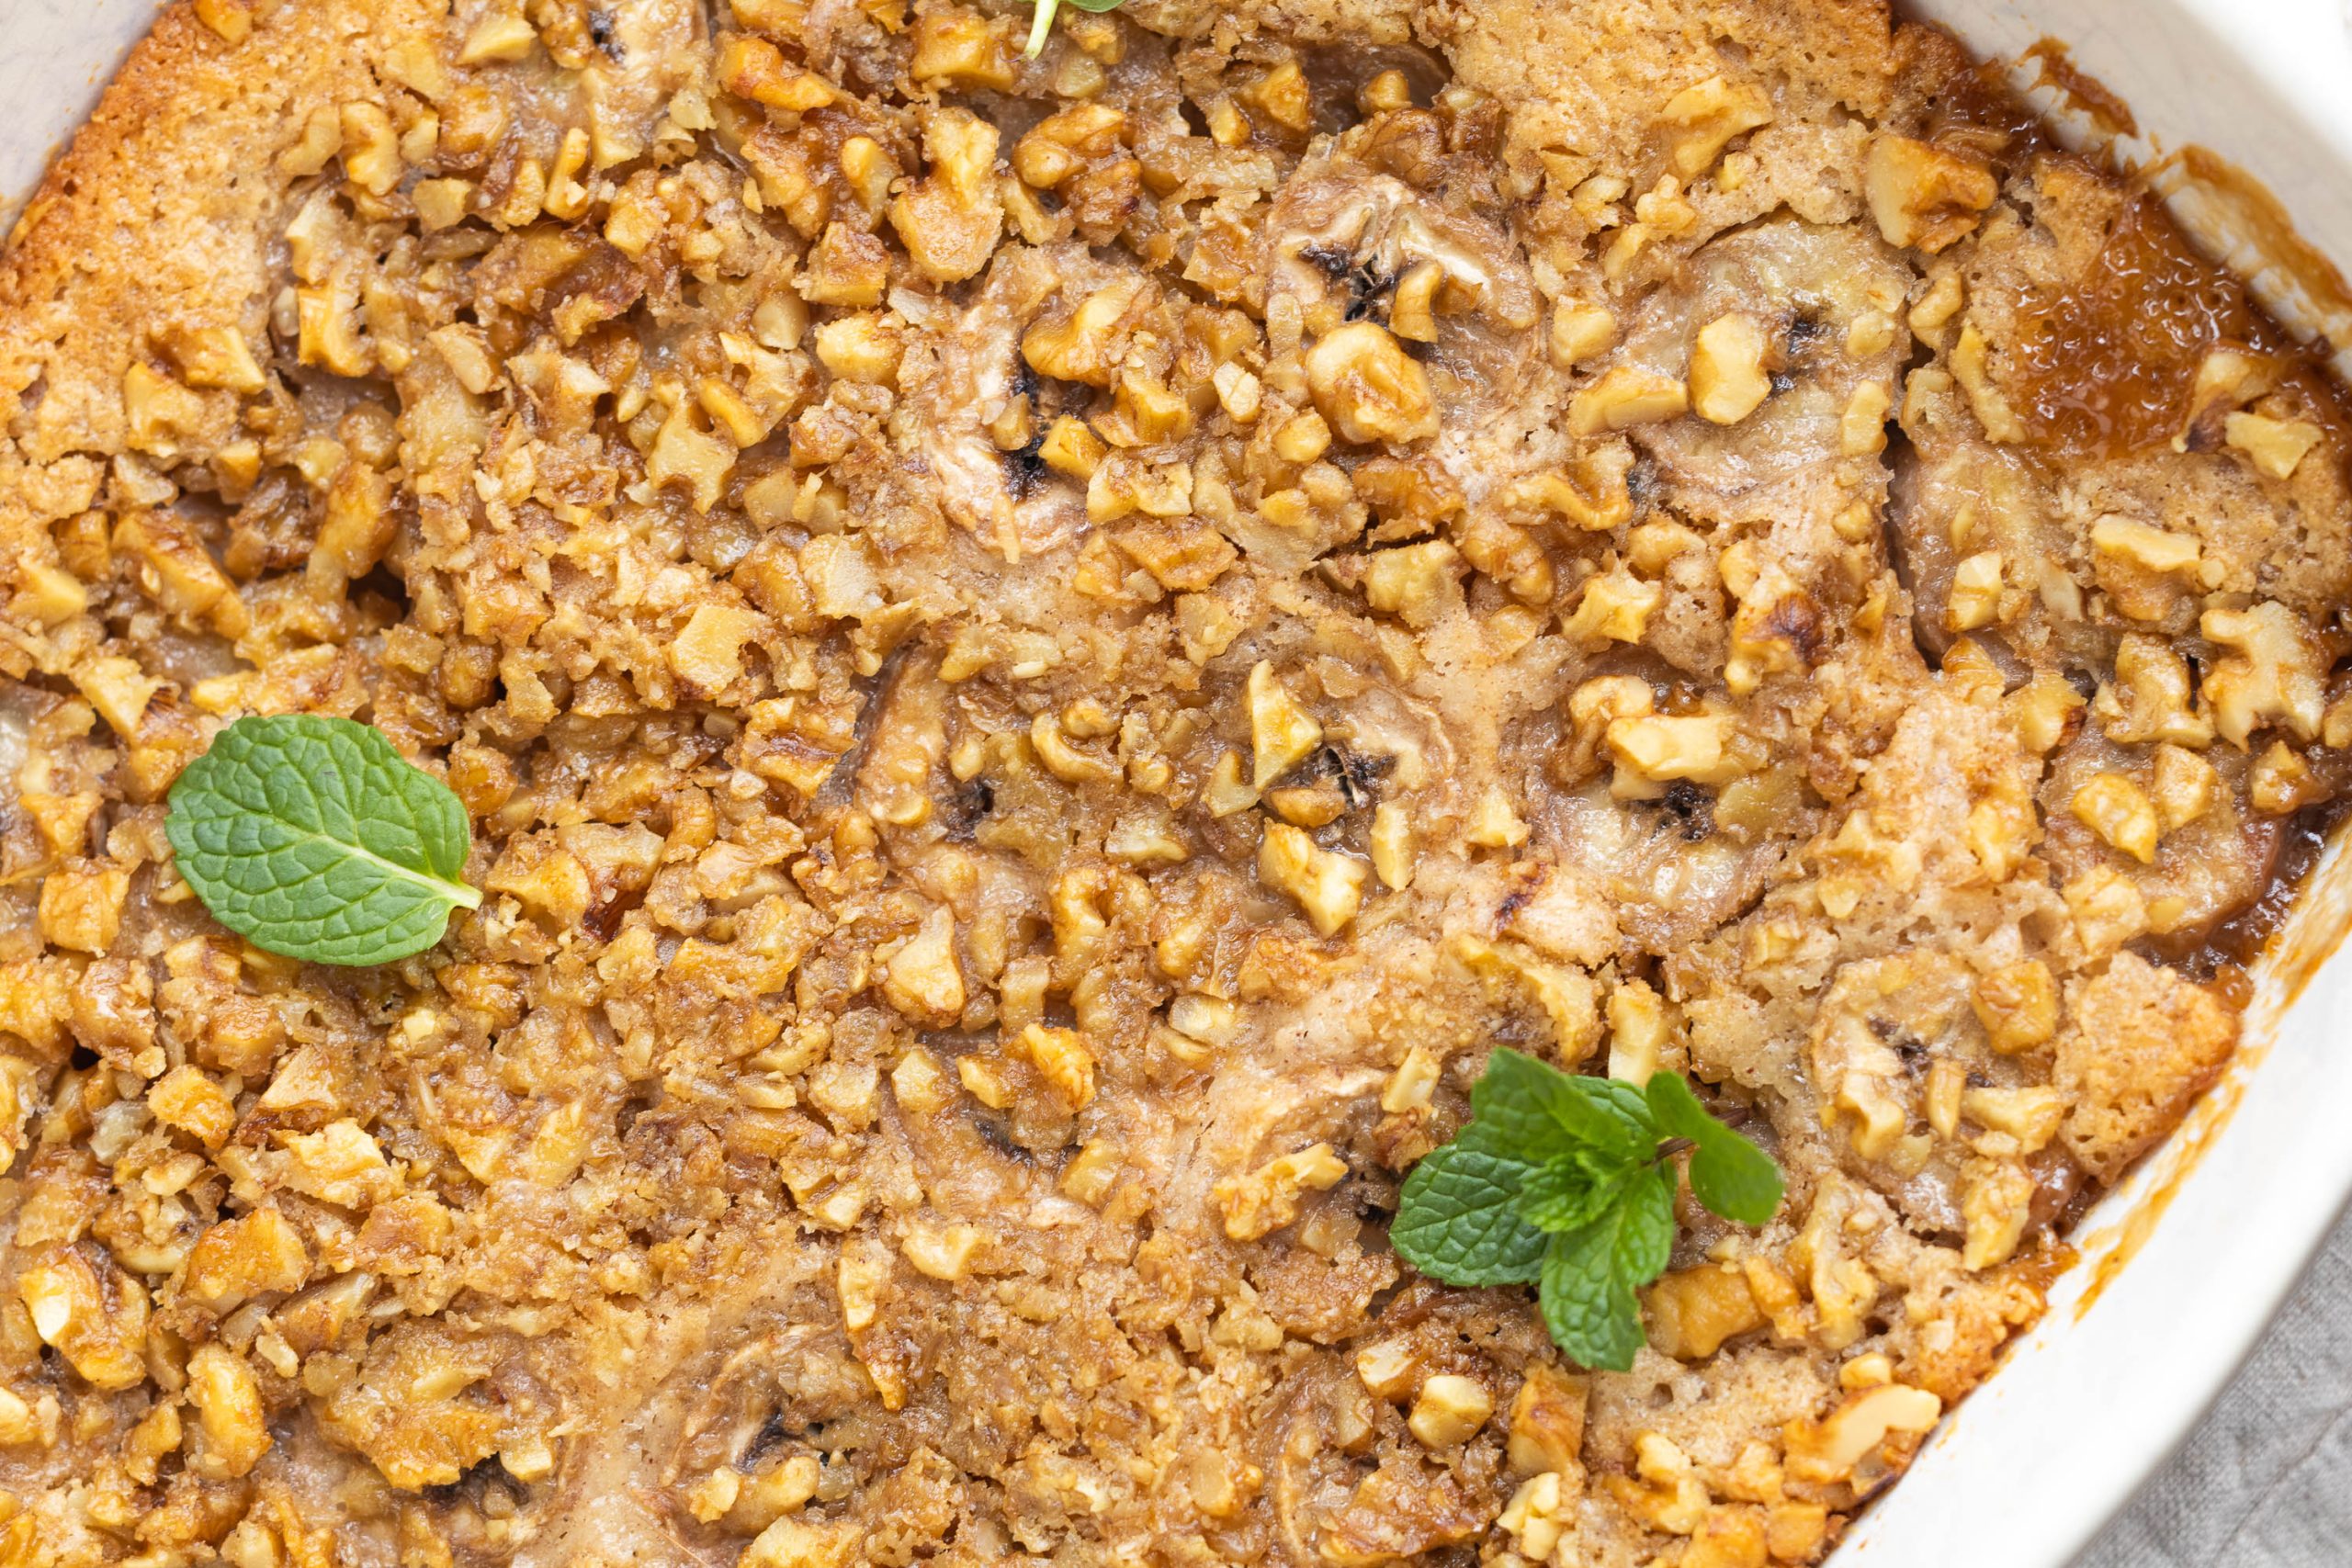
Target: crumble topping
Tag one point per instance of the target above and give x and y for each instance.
(1044, 655)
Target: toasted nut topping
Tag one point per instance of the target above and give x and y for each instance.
(923, 979)
(233, 20)
(1581, 331)
(215, 357)
(1283, 96)
(865, 347)
(1829, 1449)
(1062, 1059)
(1392, 845)
(1625, 397)
(1707, 117)
(2107, 908)
(2271, 672)
(1368, 388)
(1412, 312)
(227, 1400)
(943, 1252)
(1538, 1513)
(2282, 781)
(1690, 1312)
(1002, 647)
(1083, 345)
(2152, 549)
(94, 1313)
(1663, 748)
(1990, 405)
(1268, 1198)
(1494, 825)
(1303, 438)
(1329, 886)
(498, 38)
(2030, 1114)
(1637, 1031)
(1996, 1201)
(1922, 194)
(1861, 429)
(1616, 606)
(2227, 380)
(1870, 332)
(2149, 699)
(960, 49)
(2017, 1006)
(2186, 786)
(2277, 446)
(1975, 598)
(1727, 378)
(950, 220)
(1389, 1368)
(1450, 1409)
(1282, 733)
(1938, 305)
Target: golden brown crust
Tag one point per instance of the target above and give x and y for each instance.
(161, 209)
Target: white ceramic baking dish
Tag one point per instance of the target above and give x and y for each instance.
(2219, 1224)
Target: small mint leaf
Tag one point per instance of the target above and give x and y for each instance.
(1537, 1111)
(1591, 1317)
(1645, 1227)
(1571, 1191)
(315, 838)
(1458, 1219)
(1731, 1176)
(1590, 1275)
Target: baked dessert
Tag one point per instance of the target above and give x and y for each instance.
(1042, 657)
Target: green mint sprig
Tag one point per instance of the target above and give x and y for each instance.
(1567, 1183)
(315, 838)
(1041, 26)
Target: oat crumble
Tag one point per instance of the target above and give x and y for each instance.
(1044, 656)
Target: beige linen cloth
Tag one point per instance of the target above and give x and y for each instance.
(2265, 1480)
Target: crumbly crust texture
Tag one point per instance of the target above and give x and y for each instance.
(1043, 657)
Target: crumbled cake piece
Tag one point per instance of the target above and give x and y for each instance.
(2144, 1043)
(1043, 657)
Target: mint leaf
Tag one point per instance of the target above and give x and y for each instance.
(1571, 1191)
(1536, 1109)
(1592, 1314)
(1731, 1176)
(315, 838)
(1561, 1179)
(1590, 1275)
(1645, 1225)
(1458, 1219)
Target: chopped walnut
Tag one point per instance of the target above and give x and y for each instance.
(94, 1313)
(2276, 446)
(1268, 1198)
(1727, 377)
(1708, 115)
(1329, 886)
(2269, 672)
(1923, 195)
(1830, 1448)
(1624, 398)
(1448, 1410)
(1368, 388)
